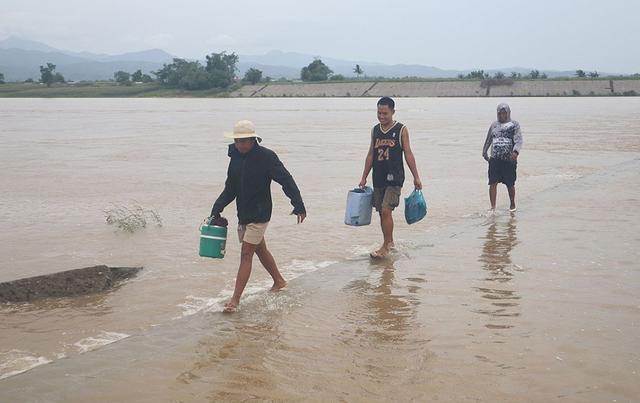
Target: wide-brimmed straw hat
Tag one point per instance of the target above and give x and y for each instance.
(244, 129)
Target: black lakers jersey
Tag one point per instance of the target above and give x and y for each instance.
(388, 167)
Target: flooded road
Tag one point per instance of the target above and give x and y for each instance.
(538, 306)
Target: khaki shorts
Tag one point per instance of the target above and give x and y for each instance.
(387, 197)
(252, 233)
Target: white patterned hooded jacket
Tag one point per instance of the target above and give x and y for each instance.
(503, 137)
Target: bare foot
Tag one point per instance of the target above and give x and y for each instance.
(230, 307)
(380, 253)
(277, 286)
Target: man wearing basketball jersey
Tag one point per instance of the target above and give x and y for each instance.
(389, 142)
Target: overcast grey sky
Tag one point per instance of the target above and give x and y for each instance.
(458, 34)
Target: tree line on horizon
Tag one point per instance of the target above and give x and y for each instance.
(219, 72)
(532, 75)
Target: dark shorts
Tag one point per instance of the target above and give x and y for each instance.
(503, 171)
(387, 197)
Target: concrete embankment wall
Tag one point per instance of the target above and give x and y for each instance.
(353, 89)
(536, 88)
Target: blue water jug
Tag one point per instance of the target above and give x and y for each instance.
(359, 206)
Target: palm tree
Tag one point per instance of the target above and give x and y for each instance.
(358, 70)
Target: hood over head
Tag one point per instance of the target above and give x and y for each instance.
(504, 107)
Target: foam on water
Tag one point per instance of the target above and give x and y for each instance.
(196, 304)
(193, 305)
(487, 214)
(360, 252)
(403, 247)
(101, 339)
(295, 269)
(15, 362)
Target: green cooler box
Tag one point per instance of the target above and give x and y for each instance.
(213, 240)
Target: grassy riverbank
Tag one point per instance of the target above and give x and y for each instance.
(342, 88)
(99, 90)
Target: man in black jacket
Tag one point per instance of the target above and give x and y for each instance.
(251, 170)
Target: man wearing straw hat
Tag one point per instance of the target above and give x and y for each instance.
(251, 170)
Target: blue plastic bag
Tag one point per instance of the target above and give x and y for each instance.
(415, 207)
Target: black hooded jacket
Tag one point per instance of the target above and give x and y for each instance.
(248, 181)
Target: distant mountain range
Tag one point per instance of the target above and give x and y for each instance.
(21, 59)
(291, 63)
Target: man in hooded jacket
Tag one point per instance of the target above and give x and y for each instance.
(504, 138)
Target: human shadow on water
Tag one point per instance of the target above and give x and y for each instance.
(497, 286)
(365, 326)
(384, 340)
(231, 363)
(388, 308)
